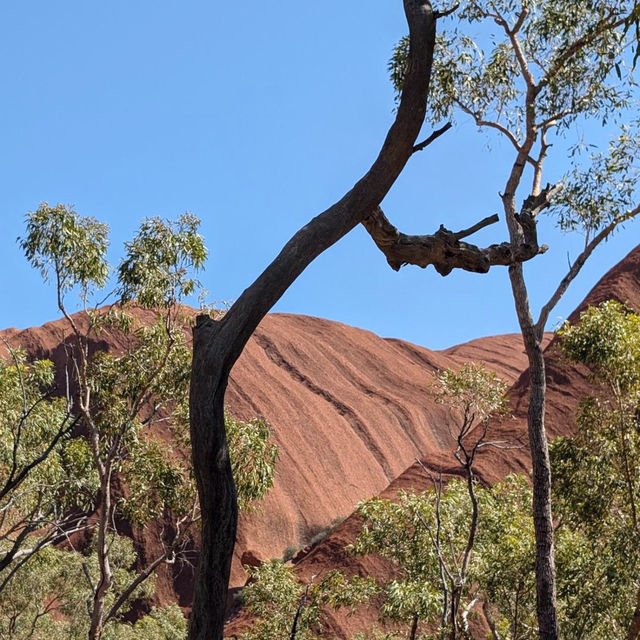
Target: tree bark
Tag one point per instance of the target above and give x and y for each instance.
(542, 516)
(414, 627)
(218, 344)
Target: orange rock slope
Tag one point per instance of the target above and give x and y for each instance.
(350, 412)
(567, 383)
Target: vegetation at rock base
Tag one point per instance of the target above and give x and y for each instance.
(596, 492)
(80, 457)
(286, 608)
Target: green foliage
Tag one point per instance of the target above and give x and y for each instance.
(596, 558)
(572, 79)
(46, 478)
(474, 391)
(30, 605)
(253, 459)
(159, 261)
(597, 478)
(70, 248)
(533, 69)
(162, 623)
(505, 555)
(607, 340)
(594, 195)
(377, 634)
(49, 599)
(596, 492)
(411, 532)
(276, 597)
(129, 403)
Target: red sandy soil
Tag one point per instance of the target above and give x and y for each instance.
(350, 412)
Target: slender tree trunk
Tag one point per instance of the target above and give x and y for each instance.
(106, 577)
(542, 517)
(634, 629)
(414, 627)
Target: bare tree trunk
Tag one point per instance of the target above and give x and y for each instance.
(106, 577)
(542, 518)
(217, 493)
(414, 627)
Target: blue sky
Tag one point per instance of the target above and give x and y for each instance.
(255, 117)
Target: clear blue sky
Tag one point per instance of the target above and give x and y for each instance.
(254, 116)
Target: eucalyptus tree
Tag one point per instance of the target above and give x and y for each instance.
(603, 456)
(550, 67)
(124, 398)
(284, 607)
(476, 395)
(219, 342)
(45, 475)
(431, 536)
(49, 599)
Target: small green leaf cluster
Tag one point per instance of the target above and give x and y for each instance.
(253, 459)
(159, 261)
(572, 50)
(67, 247)
(279, 600)
(161, 623)
(473, 390)
(46, 477)
(411, 532)
(607, 340)
(595, 195)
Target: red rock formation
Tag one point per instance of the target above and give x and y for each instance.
(350, 412)
(567, 384)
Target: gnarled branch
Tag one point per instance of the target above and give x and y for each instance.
(444, 249)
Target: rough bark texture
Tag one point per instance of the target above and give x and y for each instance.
(542, 516)
(546, 608)
(444, 250)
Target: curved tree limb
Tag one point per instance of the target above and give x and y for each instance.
(575, 268)
(444, 250)
(218, 344)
